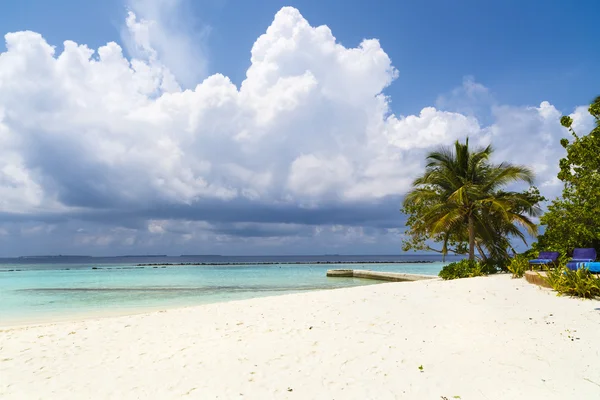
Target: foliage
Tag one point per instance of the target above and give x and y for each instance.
(466, 269)
(459, 202)
(518, 265)
(493, 265)
(574, 220)
(530, 254)
(487, 267)
(580, 283)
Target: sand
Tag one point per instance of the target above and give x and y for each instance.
(480, 338)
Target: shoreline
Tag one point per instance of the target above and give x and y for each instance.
(25, 322)
(192, 296)
(103, 315)
(491, 337)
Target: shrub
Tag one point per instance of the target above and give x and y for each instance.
(580, 283)
(518, 265)
(531, 253)
(489, 267)
(465, 269)
(492, 266)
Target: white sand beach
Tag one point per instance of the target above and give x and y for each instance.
(481, 338)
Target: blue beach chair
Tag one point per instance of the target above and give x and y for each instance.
(584, 258)
(545, 258)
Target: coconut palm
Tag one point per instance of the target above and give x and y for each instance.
(460, 199)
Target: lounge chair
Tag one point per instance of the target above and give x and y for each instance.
(545, 258)
(584, 258)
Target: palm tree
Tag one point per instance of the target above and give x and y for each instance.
(460, 199)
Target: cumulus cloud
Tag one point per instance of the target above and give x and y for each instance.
(165, 30)
(307, 144)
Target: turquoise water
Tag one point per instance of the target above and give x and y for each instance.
(37, 293)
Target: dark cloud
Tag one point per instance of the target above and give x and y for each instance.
(380, 214)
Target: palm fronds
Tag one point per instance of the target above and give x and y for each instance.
(462, 190)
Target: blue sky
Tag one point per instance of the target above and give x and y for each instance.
(274, 166)
(523, 51)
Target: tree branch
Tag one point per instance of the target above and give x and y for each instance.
(441, 251)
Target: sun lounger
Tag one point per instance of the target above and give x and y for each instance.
(592, 266)
(584, 258)
(545, 258)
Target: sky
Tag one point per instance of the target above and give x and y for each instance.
(246, 128)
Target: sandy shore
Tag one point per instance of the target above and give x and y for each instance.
(481, 338)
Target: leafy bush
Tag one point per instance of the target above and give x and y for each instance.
(492, 266)
(580, 283)
(518, 265)
(489, 267)
(465, 269)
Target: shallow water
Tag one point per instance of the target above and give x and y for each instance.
(41, 292)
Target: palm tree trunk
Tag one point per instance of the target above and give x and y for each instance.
(471, 239)
(481, 252)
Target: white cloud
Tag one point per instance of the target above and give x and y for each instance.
(165, 30)
(531, 136)
(85, 130)
(315, 176)
(431, 128)
(471, 98)
(103, 130)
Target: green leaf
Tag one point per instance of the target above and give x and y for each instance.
(461, 185)
(573, 220)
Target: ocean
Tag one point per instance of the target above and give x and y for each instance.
(41, 289)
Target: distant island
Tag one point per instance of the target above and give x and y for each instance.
(200, 255)
(142, 255)
(55, 256)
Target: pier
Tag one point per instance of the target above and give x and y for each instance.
(377, 275)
